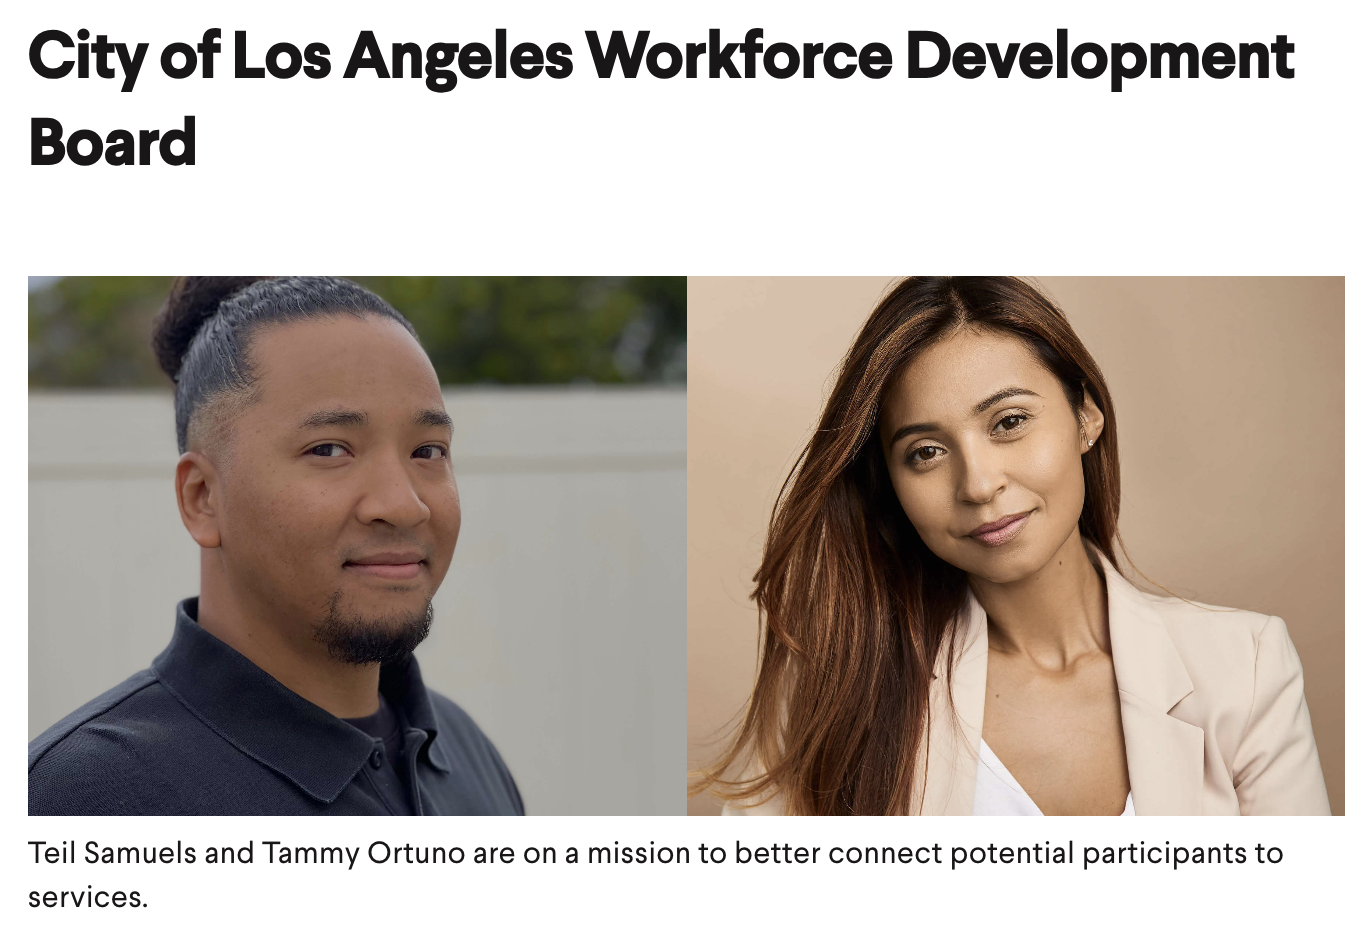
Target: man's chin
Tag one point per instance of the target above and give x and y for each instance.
(361, 637)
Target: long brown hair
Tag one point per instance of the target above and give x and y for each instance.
(854, 609)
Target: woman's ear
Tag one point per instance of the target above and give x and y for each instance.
(198, 497)
(1091, 424)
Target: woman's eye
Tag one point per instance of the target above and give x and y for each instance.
(1011, 422)
(431, 452)
(328, 450)
(923, 454)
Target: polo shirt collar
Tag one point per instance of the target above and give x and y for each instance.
(402, 684)
(245, 706)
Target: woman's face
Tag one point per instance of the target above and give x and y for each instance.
(984, 453)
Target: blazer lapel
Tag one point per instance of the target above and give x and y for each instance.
(1165, 756)
(956, 715)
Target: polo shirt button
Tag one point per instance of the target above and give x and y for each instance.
(376, 758)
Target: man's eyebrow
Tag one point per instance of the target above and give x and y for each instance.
(983, 406)
(324, 419)
(433, 419)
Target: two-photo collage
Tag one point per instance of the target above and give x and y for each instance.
(648, 545)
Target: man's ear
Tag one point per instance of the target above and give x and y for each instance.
(199, 498)
(1091, 424)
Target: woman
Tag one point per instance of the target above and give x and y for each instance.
(944, 628)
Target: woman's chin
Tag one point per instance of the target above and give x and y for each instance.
(1005, 565)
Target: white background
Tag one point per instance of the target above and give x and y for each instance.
(703, 177)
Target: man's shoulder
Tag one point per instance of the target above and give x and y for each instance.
(107, 705)
(90, 761)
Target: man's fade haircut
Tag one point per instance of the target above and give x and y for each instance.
(203, 334)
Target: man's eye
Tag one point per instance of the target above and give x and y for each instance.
(328, 450)
(431, 452)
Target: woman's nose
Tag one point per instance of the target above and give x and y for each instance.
(982, 475)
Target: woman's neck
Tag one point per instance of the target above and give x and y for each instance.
(1053, 616)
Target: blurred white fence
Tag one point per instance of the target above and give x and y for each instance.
(560, 627)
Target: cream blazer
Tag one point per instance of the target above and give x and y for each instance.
(1213, 712)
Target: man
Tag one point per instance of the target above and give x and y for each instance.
(316, 479)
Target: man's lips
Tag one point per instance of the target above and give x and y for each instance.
(396, 566)
(1000, 530)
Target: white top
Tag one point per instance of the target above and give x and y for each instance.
(998, 794)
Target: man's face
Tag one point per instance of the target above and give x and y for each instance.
(339, 509)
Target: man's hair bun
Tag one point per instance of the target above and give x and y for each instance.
(191, 302)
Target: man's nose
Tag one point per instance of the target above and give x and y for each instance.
(391, 496)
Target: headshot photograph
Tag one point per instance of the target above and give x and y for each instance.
(356, 546)
(1016, 546)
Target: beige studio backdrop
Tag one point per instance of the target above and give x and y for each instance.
(1230, 413)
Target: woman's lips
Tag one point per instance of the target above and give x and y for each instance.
(1001, 530)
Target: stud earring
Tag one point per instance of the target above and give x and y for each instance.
(1090, 444)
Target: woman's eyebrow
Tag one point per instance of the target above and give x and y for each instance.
(1000, 395)
(908, 429)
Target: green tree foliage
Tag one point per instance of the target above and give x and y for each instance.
(93, 331)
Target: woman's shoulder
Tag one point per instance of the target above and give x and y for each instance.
(1201, 622)
(1193, 626)
(1226, 647)
(1246, 693)
(1221, 648)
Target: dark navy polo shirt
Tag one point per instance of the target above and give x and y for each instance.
(206, 732)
